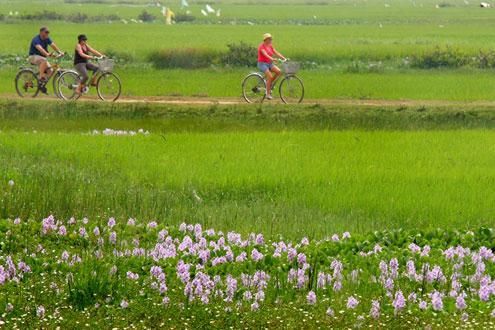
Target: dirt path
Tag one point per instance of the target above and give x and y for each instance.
(239, 101)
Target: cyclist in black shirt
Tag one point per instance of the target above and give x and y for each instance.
(83, 54)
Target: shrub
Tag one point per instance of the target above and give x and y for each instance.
(485, 59)
(146, 17)
(241, 54)
(445, 5)
(77, 18)
(183, 18)
(186, 58)
(440, 58)
(45, 15)
(119, 57)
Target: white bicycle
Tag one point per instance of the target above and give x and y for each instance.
(291, 87)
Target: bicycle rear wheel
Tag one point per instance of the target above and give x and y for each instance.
(27, 83)
(254, 88)
(109, 87)
(291, 90)
(67, 84)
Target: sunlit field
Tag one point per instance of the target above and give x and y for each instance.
(369, 205)
(349, 49)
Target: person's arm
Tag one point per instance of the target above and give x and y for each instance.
(266, 55)
(55, 47)
(81, 53)
(282, 57)
(42, 51)
(94, 51)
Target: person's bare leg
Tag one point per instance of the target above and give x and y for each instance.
(277, 73)
(269, 78)
(43, 66)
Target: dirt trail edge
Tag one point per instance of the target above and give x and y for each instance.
(238, 101)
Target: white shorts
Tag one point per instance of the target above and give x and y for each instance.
(37, 59)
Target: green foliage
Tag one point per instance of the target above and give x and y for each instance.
(185, 58)
(184, 18)
(154, 176)
(120, 56)
(146, 17)
(440, 57)
(89, 283)
(76, 17)
(240, 54)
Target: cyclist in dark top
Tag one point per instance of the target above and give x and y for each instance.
(38, 54)
(82, 64)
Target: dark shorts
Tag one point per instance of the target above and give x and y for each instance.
(83, 69)
(265, 66)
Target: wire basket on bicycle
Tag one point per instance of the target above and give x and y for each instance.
(290, 67)
(106, 65)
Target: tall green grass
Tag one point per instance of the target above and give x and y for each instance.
(291, 183)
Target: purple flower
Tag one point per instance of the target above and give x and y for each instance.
(111, 222)
(256, 255)
(460, 302)
(311, 298)
(132, 276)
(436, 301)
(62, 231)
(426, 251)
(375, 309)
(152, 224)
(399, 302)
(330, 312)
(17, 221)
(96, 231)
(352, 302)
(423, 305)
(82, 232)
(124, 303)
(48, 225)
(113, 237)
(131, 222)
(291, 254)
(346, 235)
(241, 257)
(301, 259)
(414, 248)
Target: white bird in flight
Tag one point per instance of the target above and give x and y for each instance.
(209, 9)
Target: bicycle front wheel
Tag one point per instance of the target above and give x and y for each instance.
(67, 85)
(291, 90)
(27, 83)
(109, 87)
(254, 88)
(55, 77)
